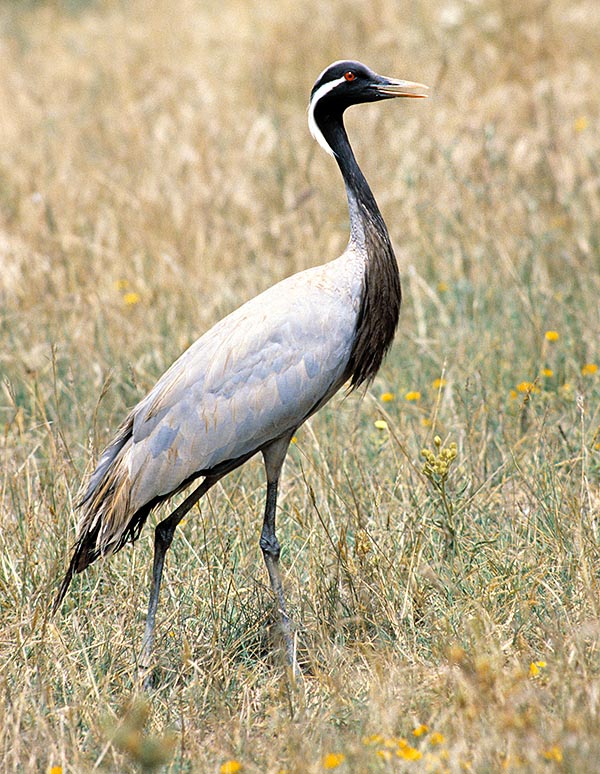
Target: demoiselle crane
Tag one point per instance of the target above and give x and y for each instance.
(247, 384)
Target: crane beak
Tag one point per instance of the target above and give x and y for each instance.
(391, 87)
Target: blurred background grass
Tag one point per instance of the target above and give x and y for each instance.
(155, 172)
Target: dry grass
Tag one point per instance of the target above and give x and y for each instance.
(155, 171)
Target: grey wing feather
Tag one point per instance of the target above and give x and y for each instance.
(256, 374)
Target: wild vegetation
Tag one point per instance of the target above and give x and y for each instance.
(155, 172)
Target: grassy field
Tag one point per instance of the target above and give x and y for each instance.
(156, 171)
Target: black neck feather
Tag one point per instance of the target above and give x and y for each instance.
(381, 295)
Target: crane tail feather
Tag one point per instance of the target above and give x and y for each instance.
(108, 517)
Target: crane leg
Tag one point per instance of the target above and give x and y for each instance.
(271, 550)
(163, 537)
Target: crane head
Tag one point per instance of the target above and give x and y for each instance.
(351, 83)
(347, 83)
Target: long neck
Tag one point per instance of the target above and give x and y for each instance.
(381, 296)
(364, 212)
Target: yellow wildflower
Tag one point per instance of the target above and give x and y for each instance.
(513, 394)
(381, 424)
(56, 770)
(589, 369)
(409, 753)
(438, 383)
(581, 124)
(413, 395)
(554, 753)
(529, 387)
(385, 754)
(422, 729)
(230, 767)
(442, 287)
(333, 760)
(388, 397)
(535, 668)
(547, 372)
(121, 284)
(132, 298)
(436, 738)
(552, 335)
(294, 439)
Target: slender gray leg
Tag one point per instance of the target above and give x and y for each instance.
(271, 550)
(163, 537)
(274, 455)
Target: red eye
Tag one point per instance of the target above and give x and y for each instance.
(350, 76)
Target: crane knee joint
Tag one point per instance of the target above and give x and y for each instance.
(270, 547)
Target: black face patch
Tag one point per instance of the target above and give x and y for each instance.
(337, 70)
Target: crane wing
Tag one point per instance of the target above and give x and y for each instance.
(256, 374)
